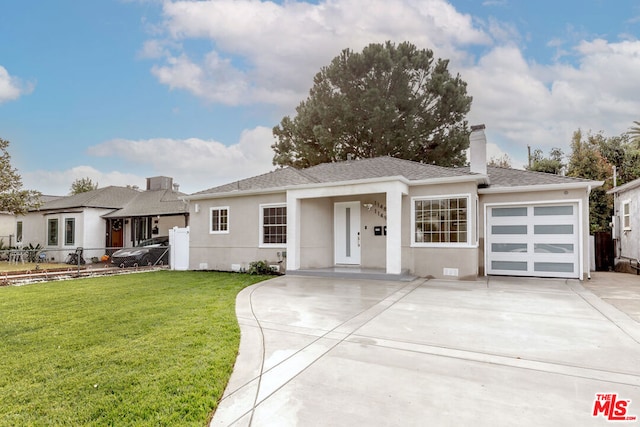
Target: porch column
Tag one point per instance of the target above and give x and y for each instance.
(293, 232)
(394, 231)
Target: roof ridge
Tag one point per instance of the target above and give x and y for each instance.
(303, 174)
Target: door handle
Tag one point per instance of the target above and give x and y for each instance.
(358, 239)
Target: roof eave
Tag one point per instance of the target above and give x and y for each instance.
(543, 187)
(283, 189)
(625, 187)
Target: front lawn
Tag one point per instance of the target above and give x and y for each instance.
(138, 349)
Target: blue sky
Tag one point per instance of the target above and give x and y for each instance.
(122, 90)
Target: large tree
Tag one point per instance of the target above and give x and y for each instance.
(82, 185)
(13, 198)
(387, 100)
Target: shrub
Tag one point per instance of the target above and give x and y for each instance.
(259, 267)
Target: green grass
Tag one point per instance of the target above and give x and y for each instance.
(140, 349)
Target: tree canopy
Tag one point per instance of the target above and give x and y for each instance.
(593, 157)
(551, 164)
(634, 133)
(503, 161)
(13, 198)
(82, 185)
(386, 100)
(587, 161)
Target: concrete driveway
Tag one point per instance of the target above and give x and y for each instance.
(500, 352)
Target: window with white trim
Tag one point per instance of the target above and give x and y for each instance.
(69, 231)
(52, 232)
(626, 215)
(441, 221)
(219, 220)
(273, 225)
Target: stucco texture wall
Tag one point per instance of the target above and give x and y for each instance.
(441, 260)
(240, 245)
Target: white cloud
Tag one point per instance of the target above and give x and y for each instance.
(11, 88)
(268, 53)
(196, 164)
(263, 52)
(58, 183)
(526, 103)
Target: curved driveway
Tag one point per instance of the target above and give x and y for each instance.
(499, 352)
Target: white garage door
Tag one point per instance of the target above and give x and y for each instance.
(533, 240)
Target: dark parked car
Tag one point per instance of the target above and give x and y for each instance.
(148, 252)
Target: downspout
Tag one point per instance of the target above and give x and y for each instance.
(588, 234)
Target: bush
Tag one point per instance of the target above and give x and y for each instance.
(259, 267)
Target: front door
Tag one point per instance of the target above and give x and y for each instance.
(347, 232)
(116, 238)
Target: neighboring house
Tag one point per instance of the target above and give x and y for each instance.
(7, 229)
(626, 221)
(399, 216)
(109, 217)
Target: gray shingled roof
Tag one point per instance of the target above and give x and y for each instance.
(505, 177)
(625, 187)
(378, 167)
(276, 179)
(107, 197)
(125, 202)
(146, 203)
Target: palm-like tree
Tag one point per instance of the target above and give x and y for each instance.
(634, 133)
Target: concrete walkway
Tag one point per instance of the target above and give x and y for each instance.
(500, 352)
(622, 290)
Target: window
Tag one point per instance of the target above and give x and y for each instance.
(141, 229)
(19, 231)
(273, 225)
(52, 232)
(626, 215)
(441, 220)
(219, 220)
(69, 231)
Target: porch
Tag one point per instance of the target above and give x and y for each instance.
(354, 272)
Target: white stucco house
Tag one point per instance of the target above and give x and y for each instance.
(106, 218)
(626, 221)
(7, 229)
(398, 216)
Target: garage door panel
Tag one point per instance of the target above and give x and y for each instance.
(533, 240)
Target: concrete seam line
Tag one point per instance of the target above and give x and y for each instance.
(340, 341)
(605, 315)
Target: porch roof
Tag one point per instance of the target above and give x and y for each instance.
(148, 203)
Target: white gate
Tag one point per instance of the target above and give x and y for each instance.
(179, 252)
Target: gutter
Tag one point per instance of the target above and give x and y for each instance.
(545, 187)
(589, 225)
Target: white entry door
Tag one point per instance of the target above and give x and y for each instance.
(347, 232)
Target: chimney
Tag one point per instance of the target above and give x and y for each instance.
(159, 183)
(478, 150)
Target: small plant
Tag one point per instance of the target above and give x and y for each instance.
(259, 267)
(32, 251)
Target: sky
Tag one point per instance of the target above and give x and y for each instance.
(121, 90)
